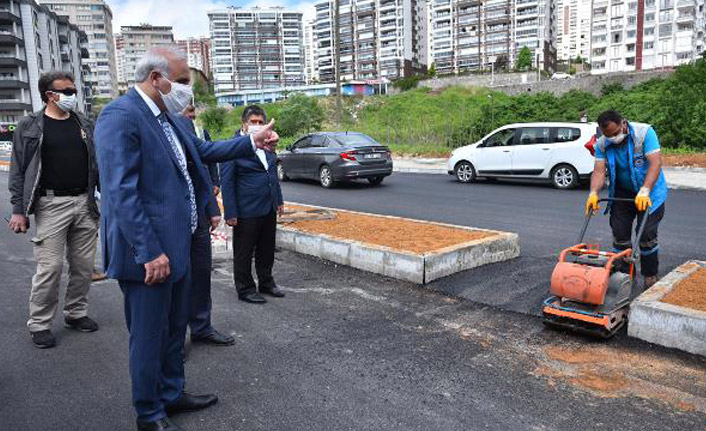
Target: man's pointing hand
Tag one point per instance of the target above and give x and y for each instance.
(266, 138)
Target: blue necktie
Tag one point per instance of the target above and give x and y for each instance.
(182, 166)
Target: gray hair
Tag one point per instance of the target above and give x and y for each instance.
(157, 59)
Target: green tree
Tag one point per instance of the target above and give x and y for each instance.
(299, 114)
(97, 105)
(524, 59)
(213, 119)
(407, 83)
(432, 70)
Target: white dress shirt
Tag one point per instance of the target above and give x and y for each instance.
(260, 153)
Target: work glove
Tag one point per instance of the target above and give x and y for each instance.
(642, 200)
(592, 203)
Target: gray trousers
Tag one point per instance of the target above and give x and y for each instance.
(64, 225)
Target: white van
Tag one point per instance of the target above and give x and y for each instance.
(559, 152)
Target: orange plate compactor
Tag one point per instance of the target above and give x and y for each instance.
(592, 289)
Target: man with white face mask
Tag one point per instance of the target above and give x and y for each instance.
(53, 176)
(154, 191)
(252, 199)
(630, 153)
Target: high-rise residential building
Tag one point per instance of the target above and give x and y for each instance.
(311, 69)
(34, 40)
(378, 39)
(472, 34)
(645, 34)
(198, 50)
(95, 18)
(134, 41)
(256, 48)
(573, 22)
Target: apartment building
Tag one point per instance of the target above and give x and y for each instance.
(258, 48)
(573, 21)
(133, 42)
(34, 40)
(311, 69)
(95, 18)
(379, 39)
(471, 35)
(198, 50)
(646, 34)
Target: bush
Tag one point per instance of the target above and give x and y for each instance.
(300, 114)
(214, 120)
(407, 83)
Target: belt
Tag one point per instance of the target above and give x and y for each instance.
(65, 192)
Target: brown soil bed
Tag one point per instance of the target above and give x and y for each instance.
(690, 292)
(693, 160)
(404, 235)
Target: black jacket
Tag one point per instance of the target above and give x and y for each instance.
(26, 164)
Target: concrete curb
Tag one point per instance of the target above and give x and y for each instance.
(416, 268)
(667, 324)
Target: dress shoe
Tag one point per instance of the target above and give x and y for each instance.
(191, 403)
(82, 324)
(163, 424)
(43, 339)
(215, 338)
(98, 276)
(253, 298)
(275, 291)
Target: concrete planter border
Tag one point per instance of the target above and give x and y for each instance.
(668, 324)
(417, 268)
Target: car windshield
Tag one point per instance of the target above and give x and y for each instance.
(354, 140)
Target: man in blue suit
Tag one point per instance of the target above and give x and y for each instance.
(154, 191)
(252, 198)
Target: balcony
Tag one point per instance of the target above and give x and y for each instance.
(12, 83)
(11, 60)
(10, 39)
(686, 17)
(7, 17)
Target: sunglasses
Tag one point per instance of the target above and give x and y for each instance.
(65, 91)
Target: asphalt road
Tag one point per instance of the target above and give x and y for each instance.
(547, 220)
(345, 350)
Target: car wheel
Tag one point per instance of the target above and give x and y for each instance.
(465, 173)
(326, 177)
(565, 177)
(375, 181)
(281, 174)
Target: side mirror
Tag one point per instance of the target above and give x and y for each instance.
(483, 144)
(289, 148)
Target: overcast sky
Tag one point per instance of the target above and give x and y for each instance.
(188, 17)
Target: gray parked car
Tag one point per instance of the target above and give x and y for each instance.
(330, 157)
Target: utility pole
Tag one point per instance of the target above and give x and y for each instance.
(337, 54)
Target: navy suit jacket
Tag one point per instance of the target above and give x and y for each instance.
(145, 199)
(248, 189)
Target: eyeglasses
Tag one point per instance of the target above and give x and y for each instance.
(65, 91)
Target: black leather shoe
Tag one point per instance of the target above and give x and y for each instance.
(253, 298)
(43, 339)
(83, 324)
(215, 338)
(275, 291)
(191, 403)
(163, 424)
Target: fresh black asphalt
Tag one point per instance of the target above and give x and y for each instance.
(547, 220)
(345, 350)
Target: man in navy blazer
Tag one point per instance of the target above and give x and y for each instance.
(202, 331)
(154, 190)
(252, 198)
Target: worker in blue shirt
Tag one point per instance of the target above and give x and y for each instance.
(630, 153)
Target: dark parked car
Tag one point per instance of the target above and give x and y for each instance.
(330, 157)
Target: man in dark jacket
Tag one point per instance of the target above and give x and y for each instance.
(53, 176)
(202, 331)
(252, 198)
